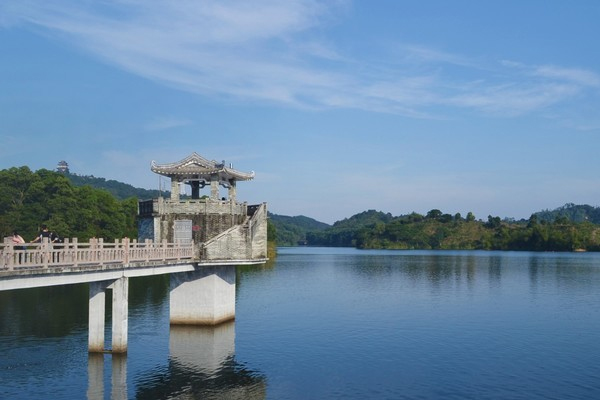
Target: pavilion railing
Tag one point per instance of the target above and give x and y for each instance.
(96, 252)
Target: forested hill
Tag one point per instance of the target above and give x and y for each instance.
(120, 190)
(572, 213)
(29, 199)
(83, 207)
(343, 233)
(567, 228)
(291, 231)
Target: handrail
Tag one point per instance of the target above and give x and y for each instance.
(95, 252)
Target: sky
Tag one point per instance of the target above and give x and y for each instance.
(490, 107)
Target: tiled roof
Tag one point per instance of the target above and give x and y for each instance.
(195, 166)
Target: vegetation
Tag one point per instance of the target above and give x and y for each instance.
(85, 207)
(571, 212)
(437, 230)
(120, 190)
(291, 231)
(344, 233)
(29, 199)
(75, 206)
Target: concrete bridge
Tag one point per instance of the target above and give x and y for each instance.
(197, 241)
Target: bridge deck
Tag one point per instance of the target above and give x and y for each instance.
(94, 253)
(45, 264)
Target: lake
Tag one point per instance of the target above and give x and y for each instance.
(331, 323)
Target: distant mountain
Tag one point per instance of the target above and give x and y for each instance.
(291, 231)
(365, 218)
(376, 229)
(572, 212)
(344, 233)
(118, 189)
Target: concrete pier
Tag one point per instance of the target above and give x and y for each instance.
(198, 241)
(120, 306)
(203, 297)
(96, 317)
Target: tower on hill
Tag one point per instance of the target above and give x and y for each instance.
(62, 167)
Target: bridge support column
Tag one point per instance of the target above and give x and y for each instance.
(120, 305)
(203, 297)
(96, 317)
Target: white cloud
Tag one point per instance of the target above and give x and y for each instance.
(514, 99)
(574, 75)
(271, 51)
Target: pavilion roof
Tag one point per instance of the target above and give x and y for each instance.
(196, 167)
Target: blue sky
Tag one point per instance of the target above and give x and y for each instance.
(338, 106)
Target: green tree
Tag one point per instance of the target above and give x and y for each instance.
(29, 199)
(434, 214)
(470, 217)
(271, 231)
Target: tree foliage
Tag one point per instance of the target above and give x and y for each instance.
(291, 231)
(347, 231)
(436, 230)
(118, 189)
(29, 199)
(571, 212)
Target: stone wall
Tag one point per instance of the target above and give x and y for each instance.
(206, 226)
(221, 229)
(242, 242)
(258, 233)
(200, 206)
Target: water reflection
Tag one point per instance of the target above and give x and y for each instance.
(95, 376)
(29, 311)
(202, 365)
(118, 368)
(342, 324)
(439, 271)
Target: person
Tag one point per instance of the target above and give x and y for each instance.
(18, 242)
(44, 233)
(51, 237)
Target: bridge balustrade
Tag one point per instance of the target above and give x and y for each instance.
(96, 252)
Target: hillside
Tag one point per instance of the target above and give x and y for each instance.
(28, 199)
(571, 212)
(567, 228)
(343, 233)
(75, 206)
(291, 231)
(120, 190)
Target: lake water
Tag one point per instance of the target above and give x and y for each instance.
(323, 323)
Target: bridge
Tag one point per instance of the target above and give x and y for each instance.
(198, 241)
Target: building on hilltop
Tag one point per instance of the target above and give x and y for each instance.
(62, 167)
(221, 227)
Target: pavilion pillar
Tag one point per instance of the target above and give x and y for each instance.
(232, 190)
(214, 187)
(203, 297)
(174, 189)
(195, 189)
